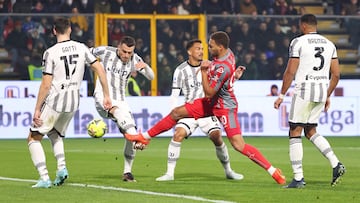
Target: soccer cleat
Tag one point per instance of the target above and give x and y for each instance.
(137, 138)
(233, 175)
(42, 184)
(61, 176)
(338, 172)
(128, 177)
(279, 177)
(296, 184)
(165, 177)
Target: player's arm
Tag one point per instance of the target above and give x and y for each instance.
(239, 71)
(288, 77)
(176, 89)
(43, 92)
(143, 67)
(97, 51)
(99, 70)
(208, 90)
(335, 76)
(289, 74)
(334, 79)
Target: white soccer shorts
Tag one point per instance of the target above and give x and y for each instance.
(207, 124)
(53, 119)
(306, 112)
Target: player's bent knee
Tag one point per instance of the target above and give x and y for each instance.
(35, 135)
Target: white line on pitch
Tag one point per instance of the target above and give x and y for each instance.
(126, 190)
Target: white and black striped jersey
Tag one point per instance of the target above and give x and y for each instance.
(187, 78)
(65, 61)
(117, 72)
(315, 53)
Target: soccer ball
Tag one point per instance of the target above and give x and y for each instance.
(96, 128)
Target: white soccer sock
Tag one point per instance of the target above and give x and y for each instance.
(223, 156)
(146, 135)
(324, 147)
(57, 144)
(129, 155)
(173, 155)
(296, 156)
(38, 158)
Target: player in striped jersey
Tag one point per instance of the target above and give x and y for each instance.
(312, 58)
(187, 79)
(58, 98)
(119, 63)
(217, 81)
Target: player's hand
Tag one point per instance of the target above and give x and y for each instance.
(140, 65)
(37, 121)
(239, 72)
(107, 103)
(204, 66)
(327, 104)
(277, 102)
(139, 146)
(242, 68)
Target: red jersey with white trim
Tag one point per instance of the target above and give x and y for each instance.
(221, 78)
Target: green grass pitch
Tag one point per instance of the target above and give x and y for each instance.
(96, 165)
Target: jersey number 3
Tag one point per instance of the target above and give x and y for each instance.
(69, 60)
(319, 51)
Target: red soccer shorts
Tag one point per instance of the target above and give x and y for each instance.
(202, 107)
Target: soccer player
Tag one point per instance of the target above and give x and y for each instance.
(58, 99)
(312, 58)
(217, 82)
(187, 79)
(119, 63)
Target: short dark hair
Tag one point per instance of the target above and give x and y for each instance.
(61, 24)
(221, 38)
(308, 19)
(129, 41)
(191, 43)
(274, 86)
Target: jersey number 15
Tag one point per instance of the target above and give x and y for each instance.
(69, 60)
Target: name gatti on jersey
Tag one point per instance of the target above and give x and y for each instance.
(316, 41)
(68, 49)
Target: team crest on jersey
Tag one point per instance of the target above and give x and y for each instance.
(220, 69)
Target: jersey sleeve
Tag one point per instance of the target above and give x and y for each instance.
(135, 59)
(177, 79)
(294, 48)
(89, 57)
(221, 74)
(176, 88)
(147, 71)
(47, 63)
(334, 55)
(98, 51)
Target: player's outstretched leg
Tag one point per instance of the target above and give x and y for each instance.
(137, 138)
(238, 142)
(163, 125)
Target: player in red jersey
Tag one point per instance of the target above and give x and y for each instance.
(217, 79)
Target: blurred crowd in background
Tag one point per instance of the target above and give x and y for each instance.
(259, 42)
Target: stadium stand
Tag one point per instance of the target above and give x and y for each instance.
(242, 29)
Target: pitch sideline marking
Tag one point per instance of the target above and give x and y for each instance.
(126, 190)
